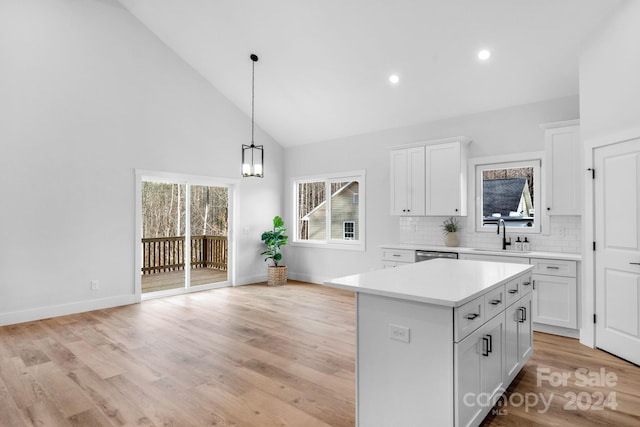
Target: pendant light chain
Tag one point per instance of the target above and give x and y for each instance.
(254, 59)
(253, 155)
(253, 94)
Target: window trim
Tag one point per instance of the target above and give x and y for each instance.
(354, 245)
(474, 220)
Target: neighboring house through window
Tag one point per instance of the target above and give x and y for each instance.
(329, 210)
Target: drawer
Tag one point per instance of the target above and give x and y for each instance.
(393, 264)
(494, 302)
(554, 267)
(526, 285)
(469, 317)
(513, 291)
(401, 255)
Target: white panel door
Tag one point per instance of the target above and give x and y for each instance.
(617, 199)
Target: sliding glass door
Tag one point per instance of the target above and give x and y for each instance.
(209, 233)
(184, 229)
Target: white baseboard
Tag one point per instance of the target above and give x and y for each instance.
(556, 330)
(248, 280)
(64, 309)
(306, 278)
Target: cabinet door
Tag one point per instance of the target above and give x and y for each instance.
(468, 353)
(445, 180)
(525, 328)
(480, 372)
(416, 183)
(399, 182)
(512, 351)
(407, 181)
(518, 337)
(492, 360)
(564, 173)
(555, 301)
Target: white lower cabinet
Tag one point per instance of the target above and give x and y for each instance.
(395, 257)
(480, 380)
(518, 336)
(555, 301)
(489, 358)
(554, 306)
(555, 296)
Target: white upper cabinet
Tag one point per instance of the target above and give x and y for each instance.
(446, 177)
(407, 181)
(563, 171)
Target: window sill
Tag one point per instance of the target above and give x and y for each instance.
(356, 246)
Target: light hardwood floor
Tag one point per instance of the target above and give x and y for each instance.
(249, 356)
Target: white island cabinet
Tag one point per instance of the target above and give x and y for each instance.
(438, 341)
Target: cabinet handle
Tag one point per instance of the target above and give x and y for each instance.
(522, 314)
(397, 255)
(534, 285)
(495, 301)
(553, 267)
(635, 263)
(471, 316)
(490, 347)
(485, 346)
(548, 209)
(526, 283)
(456, 210)
(513, 291)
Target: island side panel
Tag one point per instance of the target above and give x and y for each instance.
(404, 383)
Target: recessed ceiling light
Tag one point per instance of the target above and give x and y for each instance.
(394, 79)
(484, 54)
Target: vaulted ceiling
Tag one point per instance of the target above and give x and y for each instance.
(324, 65)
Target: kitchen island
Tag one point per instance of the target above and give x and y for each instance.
(438, 341)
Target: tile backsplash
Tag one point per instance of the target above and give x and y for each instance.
(565, 235)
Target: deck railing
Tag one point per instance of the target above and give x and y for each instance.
(162, 254)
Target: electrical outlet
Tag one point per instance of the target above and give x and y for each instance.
(95, 285)
(399, 333)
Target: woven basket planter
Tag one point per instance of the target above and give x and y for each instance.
(277, 276)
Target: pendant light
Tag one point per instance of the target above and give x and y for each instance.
(252, 155)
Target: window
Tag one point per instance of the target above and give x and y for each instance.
(328, 210)
(348, 228)
(508, 191)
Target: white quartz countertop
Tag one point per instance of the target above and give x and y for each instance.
(465, 250)
(446, 282)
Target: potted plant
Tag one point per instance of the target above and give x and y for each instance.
(450, 230)
(274, 240)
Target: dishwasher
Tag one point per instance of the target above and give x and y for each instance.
(429, 255)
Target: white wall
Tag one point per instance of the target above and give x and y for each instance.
(511, 130)
(609, 106)
(609, 70)
(87, 95)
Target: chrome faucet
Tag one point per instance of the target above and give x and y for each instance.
(504, 235)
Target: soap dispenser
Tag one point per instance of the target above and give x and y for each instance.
(518, 244)
(526, 246)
